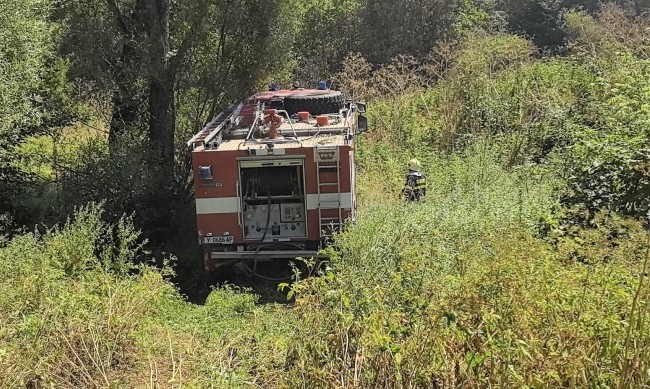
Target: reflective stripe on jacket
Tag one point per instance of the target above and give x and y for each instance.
(415, 186)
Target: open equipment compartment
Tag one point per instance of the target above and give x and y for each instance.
(273, 199)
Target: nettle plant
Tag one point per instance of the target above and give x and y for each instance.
(614, 176)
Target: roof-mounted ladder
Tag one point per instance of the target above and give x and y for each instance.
(214, 128)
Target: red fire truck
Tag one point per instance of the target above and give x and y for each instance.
(274, 175)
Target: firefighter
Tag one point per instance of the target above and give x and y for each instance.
(415, 187)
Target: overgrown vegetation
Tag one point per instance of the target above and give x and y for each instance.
(522, 268)
(526, 265)
(460, 292)
(76, 312)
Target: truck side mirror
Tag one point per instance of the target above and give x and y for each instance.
(361, 106)
(362, 124)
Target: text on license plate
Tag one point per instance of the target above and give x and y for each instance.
(218, 239)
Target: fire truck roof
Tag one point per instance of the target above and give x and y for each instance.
(279, 143)
(282, 119)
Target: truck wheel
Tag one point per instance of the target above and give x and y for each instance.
(315, 103)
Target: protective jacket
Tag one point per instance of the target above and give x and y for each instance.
(415, 186)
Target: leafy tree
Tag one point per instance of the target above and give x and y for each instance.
(543, 20)
(147, 53)
(33, 88)
(163, 68)
(24, 45)
(125, 48)
(328, 31)
(388, 28)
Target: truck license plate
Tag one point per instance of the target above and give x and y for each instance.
(219, 239)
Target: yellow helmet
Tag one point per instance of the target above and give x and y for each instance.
(415, 165)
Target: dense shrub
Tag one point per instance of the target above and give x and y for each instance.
(606, 164)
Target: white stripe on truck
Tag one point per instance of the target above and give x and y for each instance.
(328, 200)
(218, 205)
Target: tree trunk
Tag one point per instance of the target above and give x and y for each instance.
(127, 98)
(161, 90)
(161, 122)
(125, 110)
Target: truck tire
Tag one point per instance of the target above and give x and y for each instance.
(314, 103)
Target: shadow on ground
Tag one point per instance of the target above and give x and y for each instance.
(195, 285)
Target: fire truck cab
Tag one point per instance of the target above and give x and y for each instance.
(274, 175)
